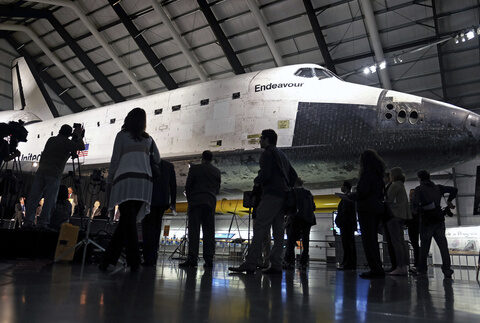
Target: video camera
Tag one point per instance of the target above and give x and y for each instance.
(97, 178)
(11, 133)
(78, 132)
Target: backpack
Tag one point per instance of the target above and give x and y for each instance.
(305, 206)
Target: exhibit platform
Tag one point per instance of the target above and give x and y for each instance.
(35, 291)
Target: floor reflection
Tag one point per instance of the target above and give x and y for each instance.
(44, 293)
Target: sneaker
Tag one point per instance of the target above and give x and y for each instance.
(399, 272)
(243, 268)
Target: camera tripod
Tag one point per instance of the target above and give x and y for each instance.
(11, 184)
(81, 209)
(182, 247)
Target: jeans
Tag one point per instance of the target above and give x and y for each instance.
(151, 229)
(43, 186)
(201, 215)
(264, 258)
(369, 229)
(437, 232)
(395, 229)
(298, 229)
(349, 249)
(413, 226)
(270, 213)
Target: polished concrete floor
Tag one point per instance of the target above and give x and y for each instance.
(35, 291)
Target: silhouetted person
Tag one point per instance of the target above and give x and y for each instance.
(47, 178)
(346, 221)
(370, 208)
(203, 184)
(299, 225)
(387, 215)
(276, 176)
(427, 198)
(413, 226)
(397, 202)
(130, 186)
(164, 197)
(62, 211)
(19, 212)
(73, 198)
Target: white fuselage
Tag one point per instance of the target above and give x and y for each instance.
(268, 99)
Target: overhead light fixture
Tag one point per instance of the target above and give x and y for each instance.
(35, 164)
(366, 70)
(117, 2)
(462, 37)
(456, 40)
(478, 31)
(395, 61)
(383, 65)
(373, 68)
(470, 34)
(400, 59)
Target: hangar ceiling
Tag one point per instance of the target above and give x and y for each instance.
(183, 42)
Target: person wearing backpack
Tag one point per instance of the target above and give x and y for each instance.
(427, 199)
(298, 226)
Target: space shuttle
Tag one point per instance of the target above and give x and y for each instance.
(323, 124)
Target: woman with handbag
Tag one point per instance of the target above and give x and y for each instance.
(130, 186)
(370, 209)
(397, 202)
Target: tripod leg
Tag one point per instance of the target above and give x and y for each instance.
(85, 247)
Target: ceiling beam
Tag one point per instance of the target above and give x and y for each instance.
(220, 35)
(100, 78)
(267, 35)
(181, 43)
(150, 55)
(93, 30)
(372, 29)
(42, 75)
(40, 43)
(317, 31)
(439, 53)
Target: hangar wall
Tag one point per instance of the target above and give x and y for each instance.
(7, 54)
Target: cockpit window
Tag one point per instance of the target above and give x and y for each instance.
(321, 74)
(304, 72)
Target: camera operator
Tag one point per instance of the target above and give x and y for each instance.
(427, 198)
(47, 179)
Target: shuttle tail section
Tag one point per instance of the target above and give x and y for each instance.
(29, 92)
